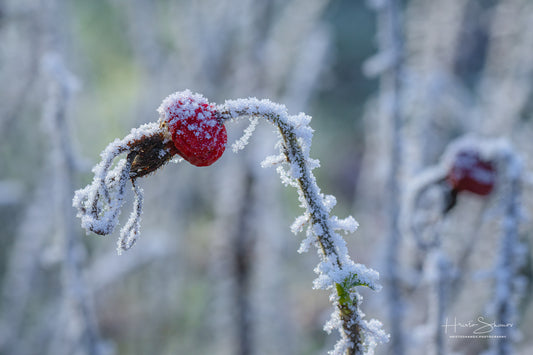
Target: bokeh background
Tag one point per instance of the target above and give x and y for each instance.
(216, 269)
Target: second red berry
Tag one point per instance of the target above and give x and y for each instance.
(471, 173)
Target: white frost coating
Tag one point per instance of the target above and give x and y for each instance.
(373, 329)
(286, 178)
(330, 274)
(188, 103)
(330, 201)
(348, 224)
(335, 269)
(178, 109)
(299, 223)
(273, 160)
(309, 240)
(99, 204)
(243, 141)
(132, 228)
(379, 336)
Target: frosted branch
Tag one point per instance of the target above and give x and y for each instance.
(336, 271)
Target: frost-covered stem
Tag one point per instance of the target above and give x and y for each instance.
(508, 281)
(336, 270)
(306, 181)
(347, 306)
(350, 318)
(391, 40)
(318, 215)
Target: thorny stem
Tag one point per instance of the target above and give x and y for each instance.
(348, 302)
(294, 154)
(318, 216)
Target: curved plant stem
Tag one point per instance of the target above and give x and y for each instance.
(336, 270)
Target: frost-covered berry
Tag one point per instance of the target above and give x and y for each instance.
(471, 173)
(196, 129)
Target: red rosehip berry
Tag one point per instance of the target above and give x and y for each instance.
(196, 129)
(471, 173)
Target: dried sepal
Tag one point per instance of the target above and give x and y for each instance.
(151, 154)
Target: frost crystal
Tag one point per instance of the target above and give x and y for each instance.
(243, 141)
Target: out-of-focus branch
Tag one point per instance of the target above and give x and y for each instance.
(77, 297)
(391, 42)
(505, 88)
(509, 282)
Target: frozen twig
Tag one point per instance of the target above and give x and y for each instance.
(336, 271)
(78, 308)
(22, 265)
(510, 283)
(390, 64)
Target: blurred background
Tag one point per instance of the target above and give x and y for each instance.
(391, 85)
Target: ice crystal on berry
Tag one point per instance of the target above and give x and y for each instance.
(196, 129)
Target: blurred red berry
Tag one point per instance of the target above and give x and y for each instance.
(471, 173)
(197, 131)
